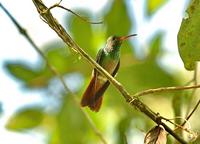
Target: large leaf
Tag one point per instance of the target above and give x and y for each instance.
(154, 5)
(188, 36)
(26, 118)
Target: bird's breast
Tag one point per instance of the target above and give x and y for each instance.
(110, 66)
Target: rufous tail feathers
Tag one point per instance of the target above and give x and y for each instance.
(93, 95)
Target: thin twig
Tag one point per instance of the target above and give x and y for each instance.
(191, 113)
(53, 23)
(55, 72)
(69, 10)
(189, 82)
(165, 89)
(177, 125)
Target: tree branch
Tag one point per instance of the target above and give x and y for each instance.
(134, 101)
(55, 72)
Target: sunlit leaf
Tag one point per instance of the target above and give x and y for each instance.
(188, 36)
(26, 118)
(154, 5)
(156, 135)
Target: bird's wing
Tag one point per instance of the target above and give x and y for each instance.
(100, 92)
(98, 60)
(116, 69)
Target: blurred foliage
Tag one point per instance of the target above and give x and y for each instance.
(154, 5)
(32, 78)
(188, 36)
(72, 126)
(1, 108)
(116, 119)
(118, 14)
(196, 141)
(26, 118)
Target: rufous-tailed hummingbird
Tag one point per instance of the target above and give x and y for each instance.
(109, 59)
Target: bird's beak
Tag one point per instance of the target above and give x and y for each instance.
(126, 37)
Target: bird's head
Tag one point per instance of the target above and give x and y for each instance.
(116, 41)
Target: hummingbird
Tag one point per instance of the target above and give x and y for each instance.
(109, 58)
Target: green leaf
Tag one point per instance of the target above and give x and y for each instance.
(154, 5)
(188, 36)
(26, 118)
(117, 19)
(20, 70)
(32, 78)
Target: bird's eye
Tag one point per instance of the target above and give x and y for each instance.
(114, 38)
